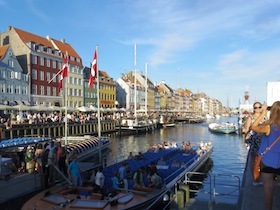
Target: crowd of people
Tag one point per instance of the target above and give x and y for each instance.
(53, 117)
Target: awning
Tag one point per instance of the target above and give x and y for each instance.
(26, 103)
(19, 102)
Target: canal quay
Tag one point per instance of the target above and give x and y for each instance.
(226, 182)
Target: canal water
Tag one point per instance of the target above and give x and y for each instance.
(227, 161)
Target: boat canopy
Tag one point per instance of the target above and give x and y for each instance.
(23, 141)
(86, 145)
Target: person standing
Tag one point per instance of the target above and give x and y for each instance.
(74, 172)
(123, 176)
(254, 139)
(270, 161)
(99, 181)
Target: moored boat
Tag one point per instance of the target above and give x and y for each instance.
(224, 128)
(69, 197)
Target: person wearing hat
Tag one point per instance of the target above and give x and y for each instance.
(74, 172)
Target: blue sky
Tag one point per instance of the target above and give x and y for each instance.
(221, 48)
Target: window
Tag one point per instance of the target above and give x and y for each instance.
(54, 91)
(41, 48)
(25, 77)
(48, 75)
(48, 63)
(48, 90)
(10, 63)
(34, 59)
(17, 89)
(42, 61)
(34, 74)
(54, 64)
(10, 88)
(24, 90)
(4, 74)
(17, 75)
(42, 92)
(54, 78)
(34, 89)
(42, 76)
(2, 88)
(59, 65)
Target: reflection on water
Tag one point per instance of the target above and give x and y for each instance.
(229, 156)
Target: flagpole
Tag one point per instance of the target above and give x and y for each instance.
(66, 104)
(98, 103)
(135, 97)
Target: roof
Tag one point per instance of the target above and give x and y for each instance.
(29, 37)
(47, 42)
(64, 47)
(3, 51)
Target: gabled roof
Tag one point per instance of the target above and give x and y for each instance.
(29, 37)
(3, 51)
(64, 47)
(103, 74)
(46, 42)
(131, 80)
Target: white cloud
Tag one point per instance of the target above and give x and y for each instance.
(245, 65)
(178, 26)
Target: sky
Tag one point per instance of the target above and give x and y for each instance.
(221, 48)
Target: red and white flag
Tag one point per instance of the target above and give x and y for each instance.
(93, 71)
(64, 72)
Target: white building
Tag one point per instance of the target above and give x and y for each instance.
(273, 92)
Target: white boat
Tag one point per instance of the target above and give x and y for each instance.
(224, 128)
(74, 198)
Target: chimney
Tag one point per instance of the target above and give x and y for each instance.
(63, 40)
(48, 37)
(9, 28)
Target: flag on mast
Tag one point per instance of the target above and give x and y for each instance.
(64, 72)
(92, 71)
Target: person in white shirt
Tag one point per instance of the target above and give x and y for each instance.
(99, 180)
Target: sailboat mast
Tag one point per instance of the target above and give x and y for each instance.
(146, 90)
(135, 102)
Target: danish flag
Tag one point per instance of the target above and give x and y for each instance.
(92, 71)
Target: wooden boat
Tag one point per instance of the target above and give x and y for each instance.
(224, 128)
(69, 197)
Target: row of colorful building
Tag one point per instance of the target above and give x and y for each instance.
(28, 62)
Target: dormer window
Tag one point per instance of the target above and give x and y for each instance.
(41, 48)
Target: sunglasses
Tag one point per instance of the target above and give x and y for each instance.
(257, 107)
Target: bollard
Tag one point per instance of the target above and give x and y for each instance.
(187, 190)
(180, 199)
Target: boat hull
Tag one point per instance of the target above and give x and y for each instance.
(223, 128)
(195, 158)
